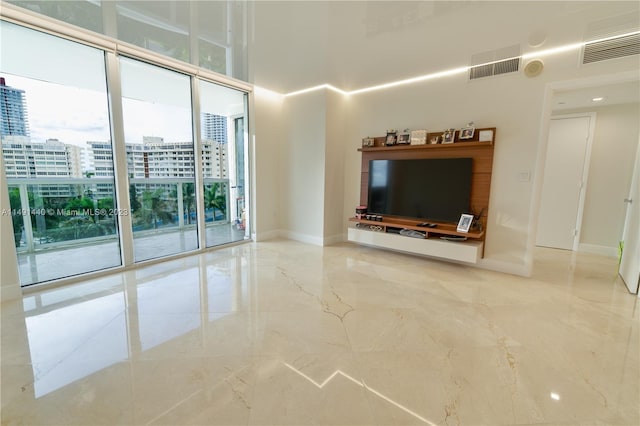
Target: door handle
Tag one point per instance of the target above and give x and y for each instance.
(628, 200)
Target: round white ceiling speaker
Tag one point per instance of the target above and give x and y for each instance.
(534, 68)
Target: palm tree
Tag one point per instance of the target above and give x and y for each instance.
(215, 198)
(79, 205)
(153, 208)
(133, 198)
(188, 199)
(18, 220)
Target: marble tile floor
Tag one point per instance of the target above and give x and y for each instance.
(283, 333)
(50, 263)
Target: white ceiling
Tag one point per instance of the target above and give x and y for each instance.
(624, 93)
(354, 44)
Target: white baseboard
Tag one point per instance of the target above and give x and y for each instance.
(267, 235)
(303, 238)
(296, 236)
(334, 239)
(596, 249)
(504, 267)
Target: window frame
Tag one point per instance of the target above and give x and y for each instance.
(113, 50)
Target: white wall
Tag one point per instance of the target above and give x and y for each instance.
(334, 167)
(267, 120)
(300, 167)
(509, 103)
(614, 147)
(303, 168)
(302, 44)
(515, 104)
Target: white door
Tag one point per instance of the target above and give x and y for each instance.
(564, 182)
(630, 262)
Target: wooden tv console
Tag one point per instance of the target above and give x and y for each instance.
(384, 233)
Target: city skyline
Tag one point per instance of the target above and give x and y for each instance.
(45, 153)
(87, 119)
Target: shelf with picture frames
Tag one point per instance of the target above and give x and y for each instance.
(479, 147)
(480, 137)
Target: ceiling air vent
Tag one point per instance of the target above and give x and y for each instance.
(611, 37)
(618, 47)
(495, 62)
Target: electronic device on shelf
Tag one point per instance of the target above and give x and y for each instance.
(427, 225)
(436, 189)
(425, 188)
(376, 228)
(412, 233)
(453, 238)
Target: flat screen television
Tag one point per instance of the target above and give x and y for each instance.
(437, 189)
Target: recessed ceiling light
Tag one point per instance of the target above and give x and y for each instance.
(598, 99)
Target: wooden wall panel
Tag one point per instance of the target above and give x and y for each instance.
(480, 152)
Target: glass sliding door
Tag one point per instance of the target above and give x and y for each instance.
(157, 118)
(54, 105)
(224, 156)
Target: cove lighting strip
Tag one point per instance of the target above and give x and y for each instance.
(459, 70)
(320, 87)
(361, 384)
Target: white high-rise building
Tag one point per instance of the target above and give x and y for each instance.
(13, 111)
(214, 127)
(51, 159)
(24, 158)
(17, 156)
(155, 158)
(74, 160)
(100, 158)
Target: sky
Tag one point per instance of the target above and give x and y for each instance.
(75, 116)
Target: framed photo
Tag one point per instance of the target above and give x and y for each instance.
(392, 138)
(434, 140)
(418, 137)
(466, 133)
(448, 136)
(404, 138)
(486, 136)
(464, 224)
(368, 142)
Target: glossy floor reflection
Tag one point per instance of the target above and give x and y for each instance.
(285, 333)
(55, 262)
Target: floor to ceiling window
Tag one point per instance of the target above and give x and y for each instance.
(53, 106)
(61, 159)
(156, 105)
(223, 141)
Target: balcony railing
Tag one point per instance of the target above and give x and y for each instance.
(67, 211)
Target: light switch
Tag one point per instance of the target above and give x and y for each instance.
(524, 176)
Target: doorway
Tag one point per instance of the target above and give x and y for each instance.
(615, 146)
(630, 260)
(565, 180)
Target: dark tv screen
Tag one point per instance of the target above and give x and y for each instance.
(437, 189)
